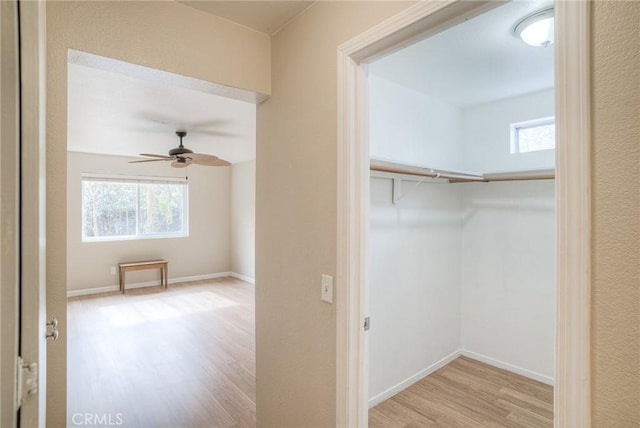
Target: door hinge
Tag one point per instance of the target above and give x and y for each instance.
(367, 324)
(27, 384)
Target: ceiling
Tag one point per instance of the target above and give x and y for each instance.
(475, 62)
(116, 114)
(265, 16)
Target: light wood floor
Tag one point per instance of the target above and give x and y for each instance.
(182, 357)
(468, 393)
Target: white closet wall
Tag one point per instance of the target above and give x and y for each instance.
(458, 268)
(412, 127)
(487, 138)
(414, 282)
(508, 275)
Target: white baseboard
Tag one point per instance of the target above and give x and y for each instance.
(413, 379)
(446, 360)
(110, 288)
(508, 367)
(244, 278)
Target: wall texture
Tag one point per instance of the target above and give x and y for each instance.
(296, 214)
(206, 250)
(164, 35)
(616, 214)
(243, 219)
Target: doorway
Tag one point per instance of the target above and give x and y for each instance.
(160, 167)
(462, 262)
(571, 406)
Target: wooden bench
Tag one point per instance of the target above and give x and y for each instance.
(163, 265)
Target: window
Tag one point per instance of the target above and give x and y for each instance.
(133, 208)
(533, 135)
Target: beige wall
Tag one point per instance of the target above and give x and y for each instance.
(616, 214)
(296, 215)
(164, 35)
(206, 250)
(243, 219)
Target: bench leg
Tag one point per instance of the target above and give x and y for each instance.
(165, 271)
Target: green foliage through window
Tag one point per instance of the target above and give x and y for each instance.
(123, 209)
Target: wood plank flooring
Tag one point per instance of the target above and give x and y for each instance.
(185, 357)
(468, 393)
(181, 357)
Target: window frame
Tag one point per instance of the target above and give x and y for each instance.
(136, 179)
(528, 124)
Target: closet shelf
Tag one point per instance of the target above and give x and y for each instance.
(460, 177)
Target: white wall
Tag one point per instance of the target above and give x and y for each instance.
(205, 251)
(412, 127)
(508, 274)
(487, 138)
(484, 286)
(415, 269)
(460, 268)
(243, 218)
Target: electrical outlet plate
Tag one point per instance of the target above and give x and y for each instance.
(326, 294)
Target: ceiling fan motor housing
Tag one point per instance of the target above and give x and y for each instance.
(179, 151)
(182, 157)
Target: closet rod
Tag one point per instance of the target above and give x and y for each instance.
(546, 174)
(426, 172)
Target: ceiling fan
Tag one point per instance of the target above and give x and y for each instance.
(181, 157)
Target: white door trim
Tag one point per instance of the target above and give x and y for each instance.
(572, 398)
(572, 395)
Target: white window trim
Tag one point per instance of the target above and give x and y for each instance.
(139, 179)
(515, 127)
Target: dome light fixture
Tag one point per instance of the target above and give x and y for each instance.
(536, 29)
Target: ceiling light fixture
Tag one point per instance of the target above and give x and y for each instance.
(537, 28)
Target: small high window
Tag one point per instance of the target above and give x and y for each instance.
(133, 208)
(533, 135)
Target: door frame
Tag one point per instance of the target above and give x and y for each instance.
(572, 406)
(9, 211)
(33, 309)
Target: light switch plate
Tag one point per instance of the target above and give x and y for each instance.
(327, 289)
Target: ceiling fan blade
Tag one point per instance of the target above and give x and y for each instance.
(201, 158)
(151, 160)
(207, 160)
(177, 164)
(212, 162)
(156, 156)
(221, 162)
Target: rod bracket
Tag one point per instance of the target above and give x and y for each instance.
(397, 190)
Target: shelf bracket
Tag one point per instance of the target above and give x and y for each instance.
(397, 190)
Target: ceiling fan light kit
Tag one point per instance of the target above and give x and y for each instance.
(182, 157)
